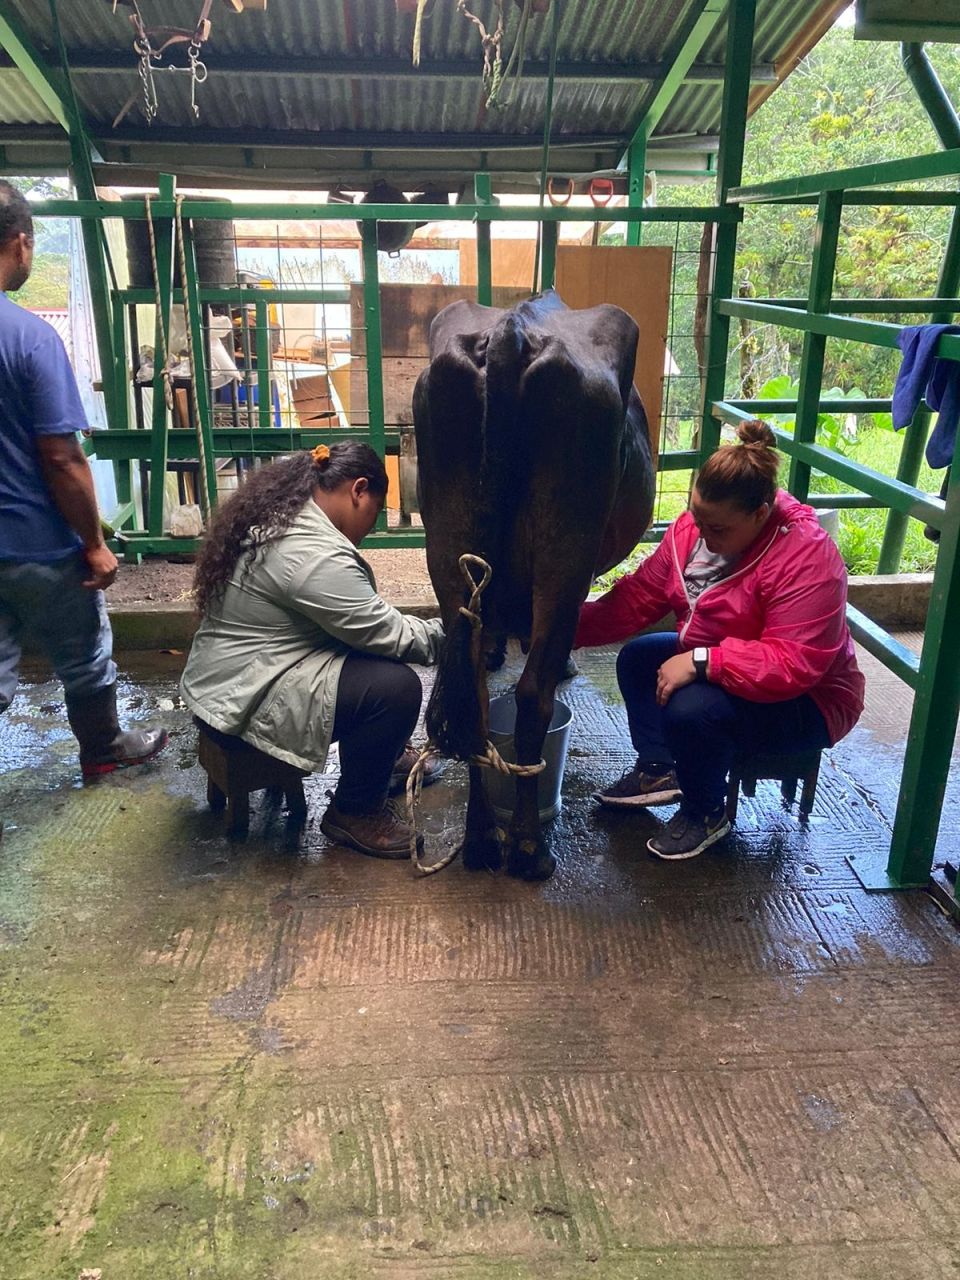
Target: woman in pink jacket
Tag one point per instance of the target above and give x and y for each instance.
(762, 659)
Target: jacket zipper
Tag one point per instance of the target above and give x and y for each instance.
(686, 595)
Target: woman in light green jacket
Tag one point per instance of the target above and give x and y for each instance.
(295, 648)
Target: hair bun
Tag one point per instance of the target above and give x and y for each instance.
(756, 432)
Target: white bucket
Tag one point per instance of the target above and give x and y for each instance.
(501, 788)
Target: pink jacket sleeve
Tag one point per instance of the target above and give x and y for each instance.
(631, 604)
(804, 628)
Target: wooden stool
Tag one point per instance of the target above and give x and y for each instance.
(788, 770)
(234, 769)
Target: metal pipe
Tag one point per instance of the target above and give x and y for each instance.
(946, 122)
(932, 94)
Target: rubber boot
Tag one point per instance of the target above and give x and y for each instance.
(104, 746)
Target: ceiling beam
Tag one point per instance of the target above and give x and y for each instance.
(44, 79)
(101, 61)
(371, 140)
(692, 36)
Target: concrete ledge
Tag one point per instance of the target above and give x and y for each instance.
(171, 626)
(892, 600)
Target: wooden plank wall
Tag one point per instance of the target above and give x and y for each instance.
(638, 280)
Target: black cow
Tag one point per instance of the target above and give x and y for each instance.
(533, 452)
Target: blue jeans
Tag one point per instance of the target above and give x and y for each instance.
(702, 727)
(66, 621)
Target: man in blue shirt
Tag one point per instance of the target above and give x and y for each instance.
(54, 562)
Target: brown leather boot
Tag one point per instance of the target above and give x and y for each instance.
(379, 835)
(104, 746)
(407, 758)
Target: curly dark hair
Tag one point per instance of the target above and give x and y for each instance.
(267, 504)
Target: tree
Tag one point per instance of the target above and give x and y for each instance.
(848, 103)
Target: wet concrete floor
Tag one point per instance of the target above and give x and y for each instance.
(228, 1062)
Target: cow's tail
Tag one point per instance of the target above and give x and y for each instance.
(454, 718)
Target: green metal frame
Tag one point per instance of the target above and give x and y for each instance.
(935, 675)
(947, 125)
(733, 123)
(163, 231)
(53, 87)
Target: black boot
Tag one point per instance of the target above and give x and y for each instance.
(104, 746)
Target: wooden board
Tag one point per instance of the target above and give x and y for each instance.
(511, 263)
(638, 280)
(406, 313)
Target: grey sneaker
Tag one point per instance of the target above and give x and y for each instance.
(685, 836)
(639, 789)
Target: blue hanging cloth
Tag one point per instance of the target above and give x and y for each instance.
(924, 375)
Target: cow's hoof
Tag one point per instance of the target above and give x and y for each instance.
(496, 658)
(537, 864)
(482, 852)
(570, 670)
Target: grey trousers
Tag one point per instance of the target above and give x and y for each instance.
(48, 604)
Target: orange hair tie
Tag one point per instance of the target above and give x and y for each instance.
(320, 454)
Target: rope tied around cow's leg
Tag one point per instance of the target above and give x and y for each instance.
(472, 611)
(490, 757)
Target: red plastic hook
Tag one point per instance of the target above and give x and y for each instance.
(563, 198)
(600, 191)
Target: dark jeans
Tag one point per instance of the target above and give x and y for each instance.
(378, 701)
(702, 727)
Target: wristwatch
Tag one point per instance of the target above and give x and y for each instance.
(701, 657)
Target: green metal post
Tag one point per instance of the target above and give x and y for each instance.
(163, 228)
(194, 317)
(264, 396)
(374, 346)
(548, 260)
(829, 212)
(93, 249)
(483, 194)
(934, 721)
(636, 165)
(944, 120)
(741, 19)
(118, 334)
(932, 94)
(915, 435)
(122, 471)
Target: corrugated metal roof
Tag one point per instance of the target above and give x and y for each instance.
(273, 100)
(19, 104)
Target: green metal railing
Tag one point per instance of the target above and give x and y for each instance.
(125, 445)
(934, 675)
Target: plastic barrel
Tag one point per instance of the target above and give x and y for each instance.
(502, 788)
(213, 241)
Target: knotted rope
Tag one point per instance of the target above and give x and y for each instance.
(202, 491)
(490, 757)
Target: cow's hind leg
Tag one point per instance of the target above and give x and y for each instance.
(481, 847)
(529, 858)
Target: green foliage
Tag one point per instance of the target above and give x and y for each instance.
(834, 432)
(48, 283)
(846, 104)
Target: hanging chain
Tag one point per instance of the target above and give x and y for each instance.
(198, 74)
(148, 56)
(145, 71)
